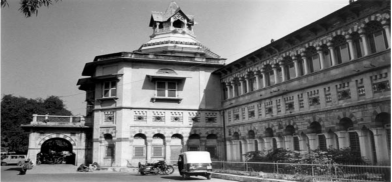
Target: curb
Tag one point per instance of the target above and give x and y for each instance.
(245, 178)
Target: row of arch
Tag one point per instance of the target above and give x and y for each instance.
(373, 143)
(343, 47)
(381, 120)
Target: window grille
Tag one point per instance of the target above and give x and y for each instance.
(296, 144)
(157, 151)
(322, 142)
(139, 151)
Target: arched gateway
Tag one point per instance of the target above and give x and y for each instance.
(65, 137)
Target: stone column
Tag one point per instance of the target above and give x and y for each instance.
(296, 68)
(264, 78)
(247, 83)
(229, 151)
(386, 26)
(167, 149)
(282, 67)
(288, 140)
(365, 145)
(365, 43)
(313, 141)
(320, 53)
(257, 77)
(242, 86)
(306, 66)
(275, 69)
(228, 91)
(268, 143)
(149, 149)
(332, 53)
(343, 139)
(381, 143)
(232, 89)
(353, 55)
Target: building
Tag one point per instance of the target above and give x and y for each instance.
(159, 100)
(324, 85)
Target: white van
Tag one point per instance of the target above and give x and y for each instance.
(13, 159)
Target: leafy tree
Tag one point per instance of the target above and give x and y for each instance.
(16, 111)
(29, 7)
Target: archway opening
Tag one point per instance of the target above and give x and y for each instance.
(56, 151)
(315, 127)
(345, 123)
(383, 119)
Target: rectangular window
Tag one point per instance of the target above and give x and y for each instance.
(157, 151)
(166, 89)
(139, 151)
(344, 53)
(271, 78)
(296, 143)
(327, 59)
(358, 47)
(379, 41)
(316, 63)
(109, 89)
(322, 142)
(291, 71)
(354, 141)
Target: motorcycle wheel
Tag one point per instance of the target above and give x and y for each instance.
(169, 170)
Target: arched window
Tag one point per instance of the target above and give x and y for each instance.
(110, 146)
(340, 45)
(313, 59)
(178, 24)
(211, 144)
(327, 56)
(175, 146)
(269, 75)
(354, 142)
(289, 68)
(252, 81)
(158, 143)
(139, 145)
(376, 36)
(194, 142)
(358, 45)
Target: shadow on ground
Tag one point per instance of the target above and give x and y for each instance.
(179, 178)
(13, 169)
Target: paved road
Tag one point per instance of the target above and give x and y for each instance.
(11, 174)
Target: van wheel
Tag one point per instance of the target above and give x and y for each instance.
(184, 176)
(142, 173)
(208, 176)
(3, 164)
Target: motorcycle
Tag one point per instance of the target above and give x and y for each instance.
(156, 168)
(26, 166)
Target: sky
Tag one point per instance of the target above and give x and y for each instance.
(44, 55)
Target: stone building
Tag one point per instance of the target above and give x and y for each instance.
(324, 85)
(157, 101)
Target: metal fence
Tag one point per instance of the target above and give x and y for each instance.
(337, 172)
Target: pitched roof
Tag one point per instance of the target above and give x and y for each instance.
(171, 10)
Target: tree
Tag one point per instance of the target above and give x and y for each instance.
(16, 111)
(29, 7)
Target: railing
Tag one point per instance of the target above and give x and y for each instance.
(55, 119)
(297, 171)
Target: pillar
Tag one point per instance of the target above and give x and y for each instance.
(352, 50)
(365, 145)
(247, 84)
(264, 79)
(295, 60)
(289, 144)
(275, 69)
(386, 26)
(343, 139)
(313, 141)
(242, 87)
(257, 77)
(228, 91)
(167, 149)
(306, 66)
(283, 71)
(364, 42)
(332, 52)
(381, 143)
(149, 149)
(232, 89)
(320, 53)
(229, 151)
(203, 141)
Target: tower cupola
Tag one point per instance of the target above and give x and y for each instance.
(173, 35)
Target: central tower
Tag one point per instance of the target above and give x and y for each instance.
(173, 34)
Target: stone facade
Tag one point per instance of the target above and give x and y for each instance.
(324, 85)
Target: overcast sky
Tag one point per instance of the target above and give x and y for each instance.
(44, 55)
